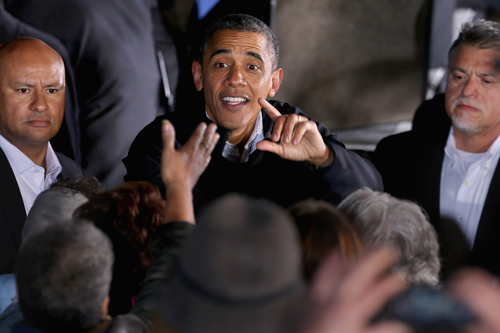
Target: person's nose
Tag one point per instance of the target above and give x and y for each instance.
(39, 102)
(236, 77)
(470, 88)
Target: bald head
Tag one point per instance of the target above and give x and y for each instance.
(32, 90)
(28, 47)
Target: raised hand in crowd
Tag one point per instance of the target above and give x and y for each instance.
(181, 168)
(347, 294)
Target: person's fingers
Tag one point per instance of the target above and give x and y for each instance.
(301, 128)
(375, 264)
(271, 111)
(328, 276)
(168, 134)
(210, 138)
(278, 119)
(480, 292)
(195, 140)
(292, 121)
(376, 295)
(390, 327)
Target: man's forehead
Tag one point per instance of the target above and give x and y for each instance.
(28, 50)
(229, 41)
(232, 38)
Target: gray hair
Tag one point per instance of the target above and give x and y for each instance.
(63, 276)
(242, 23)
(383, 220)
(480, 33)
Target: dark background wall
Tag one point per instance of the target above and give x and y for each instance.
(350, 63)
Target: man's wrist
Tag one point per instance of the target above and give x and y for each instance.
(326, 160)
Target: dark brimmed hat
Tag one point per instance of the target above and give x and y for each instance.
(239, 271)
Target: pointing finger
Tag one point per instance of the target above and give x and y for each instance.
(269, 109)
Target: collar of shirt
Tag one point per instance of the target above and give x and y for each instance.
(20, 163)
(452, 152)
(25, 171)
(232, 153)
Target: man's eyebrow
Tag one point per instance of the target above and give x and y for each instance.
(31, 85)
(255, 55)
(219, 51)
(24, 84)
(226, 51)
(54, 85)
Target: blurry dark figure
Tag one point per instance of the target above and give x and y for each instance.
(239, 271)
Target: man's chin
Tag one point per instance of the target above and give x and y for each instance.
(465, 125)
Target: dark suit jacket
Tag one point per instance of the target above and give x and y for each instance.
(12, 212)
(410, 164)
(112, 51)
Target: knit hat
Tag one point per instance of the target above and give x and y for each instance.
(239, 271)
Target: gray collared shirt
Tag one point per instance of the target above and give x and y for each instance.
(232, 153)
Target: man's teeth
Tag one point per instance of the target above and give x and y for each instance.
(234, 100)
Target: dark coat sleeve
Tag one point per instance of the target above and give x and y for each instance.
(168, 242)
(349, 171)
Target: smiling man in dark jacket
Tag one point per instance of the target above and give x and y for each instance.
(267, 149)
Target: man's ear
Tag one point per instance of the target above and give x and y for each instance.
(276, 78)
(104, 308)
(197, 75)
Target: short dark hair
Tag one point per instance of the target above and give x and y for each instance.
(241, 23)
(63, 275)
(480, 33)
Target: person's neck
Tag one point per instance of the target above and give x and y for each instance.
(474, 143)
(239, 139)
(36, 154)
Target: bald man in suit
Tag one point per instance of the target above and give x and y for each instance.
(32, 97)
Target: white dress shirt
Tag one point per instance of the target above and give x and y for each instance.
(31, 178)
(465, 180)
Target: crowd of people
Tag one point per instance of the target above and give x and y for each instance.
(247, 215)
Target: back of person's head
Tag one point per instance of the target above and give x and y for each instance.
(128, 214)
(58, 202)
(87, 186)
(240, 271)
(383, 220)
(63, 276)
(323, 229)
(242, 23)
(482, 34)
